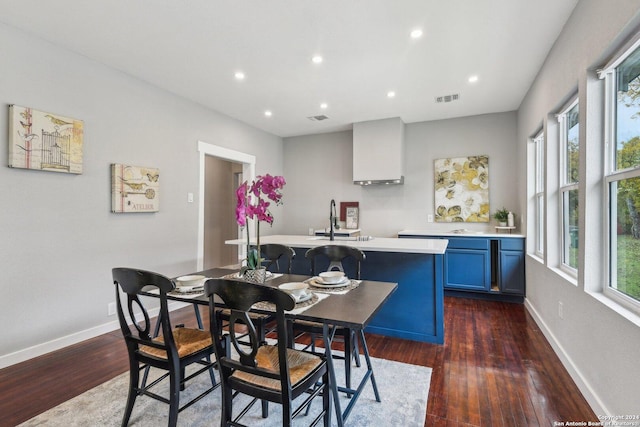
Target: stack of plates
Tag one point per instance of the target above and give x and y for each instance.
(190, 283)
(320, 282)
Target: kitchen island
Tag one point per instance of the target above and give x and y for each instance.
(416, 310)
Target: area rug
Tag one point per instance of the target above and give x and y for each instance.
(403, 390)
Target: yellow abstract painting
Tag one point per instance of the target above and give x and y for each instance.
(462, 189)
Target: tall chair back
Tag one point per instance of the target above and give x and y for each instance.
(273, 253)
(336, 254)
(271, 373)
(171, 352)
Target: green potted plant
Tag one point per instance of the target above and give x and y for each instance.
(501, 215)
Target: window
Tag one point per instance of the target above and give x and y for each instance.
(622, 176)
(569, 169)
(538, 140)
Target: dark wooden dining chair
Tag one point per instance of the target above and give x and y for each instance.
(272, 255)
(272, 373)
(333, 257)
(172, 351)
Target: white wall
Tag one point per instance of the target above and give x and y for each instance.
(59, 238)
(319, 168)
(599, 347)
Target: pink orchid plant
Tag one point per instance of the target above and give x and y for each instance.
(251, 204)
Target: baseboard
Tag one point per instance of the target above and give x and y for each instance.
(583, 385)
(58, 343)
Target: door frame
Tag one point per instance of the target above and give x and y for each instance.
(248, 162)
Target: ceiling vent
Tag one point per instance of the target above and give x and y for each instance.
(317, 118)
(447, 98)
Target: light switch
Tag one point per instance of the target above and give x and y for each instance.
(190, 197)
(429, 217)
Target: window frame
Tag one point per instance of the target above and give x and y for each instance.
(539, 194)
(612, 175)
(565, 188)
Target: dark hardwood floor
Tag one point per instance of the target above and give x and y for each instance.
(495, 369)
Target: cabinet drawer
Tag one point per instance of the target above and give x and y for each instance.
(512, 244)
(462, 243)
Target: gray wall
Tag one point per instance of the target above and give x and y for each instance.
(59, 238)
(319, 168)
(598, 345)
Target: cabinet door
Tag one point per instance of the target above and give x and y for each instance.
(512, 272)
(467, 269)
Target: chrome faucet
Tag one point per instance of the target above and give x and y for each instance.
(333, 220)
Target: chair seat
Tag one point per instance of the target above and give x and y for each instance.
(300, 363)
(188, 341)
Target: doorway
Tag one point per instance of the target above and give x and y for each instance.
(221, 179)
(221, 171)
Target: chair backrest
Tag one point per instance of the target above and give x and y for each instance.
(273, 252)
(336, 254)
(239, 296)
(131, 281)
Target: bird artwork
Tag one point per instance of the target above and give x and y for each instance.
(134, 188)
(44, 141)
(57, 122)
(28, 137)
(137, 186)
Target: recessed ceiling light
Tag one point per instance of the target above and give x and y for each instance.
(317, 59)
(416, 34)
(473, 79)
(239, 75)
(324, 105)
(268, 113)
(391, 94)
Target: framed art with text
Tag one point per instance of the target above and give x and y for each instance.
(134, 189)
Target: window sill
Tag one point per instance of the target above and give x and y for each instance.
(617, 307)
(573, 280)
(536, 257)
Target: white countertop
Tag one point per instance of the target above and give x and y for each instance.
(377, 244)
(451, 233)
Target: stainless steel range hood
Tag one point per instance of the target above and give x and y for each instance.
(378, 152)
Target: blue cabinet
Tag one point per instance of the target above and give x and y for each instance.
(467, 265)
(511, 263)
(491, 267)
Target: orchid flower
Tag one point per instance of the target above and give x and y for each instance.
(250, 204)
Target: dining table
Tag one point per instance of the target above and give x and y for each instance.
(353, 308)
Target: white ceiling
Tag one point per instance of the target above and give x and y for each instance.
(193, 48)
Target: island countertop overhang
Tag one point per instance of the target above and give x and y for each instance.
(377, 244)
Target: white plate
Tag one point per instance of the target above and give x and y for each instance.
(305, 297)
(317, 281)
(185, 289)
(341, 282)
(189, 282)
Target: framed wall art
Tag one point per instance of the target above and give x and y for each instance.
(462, 189)
(134, 188)
(349, 214)
(44, 141)
(351, 221)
